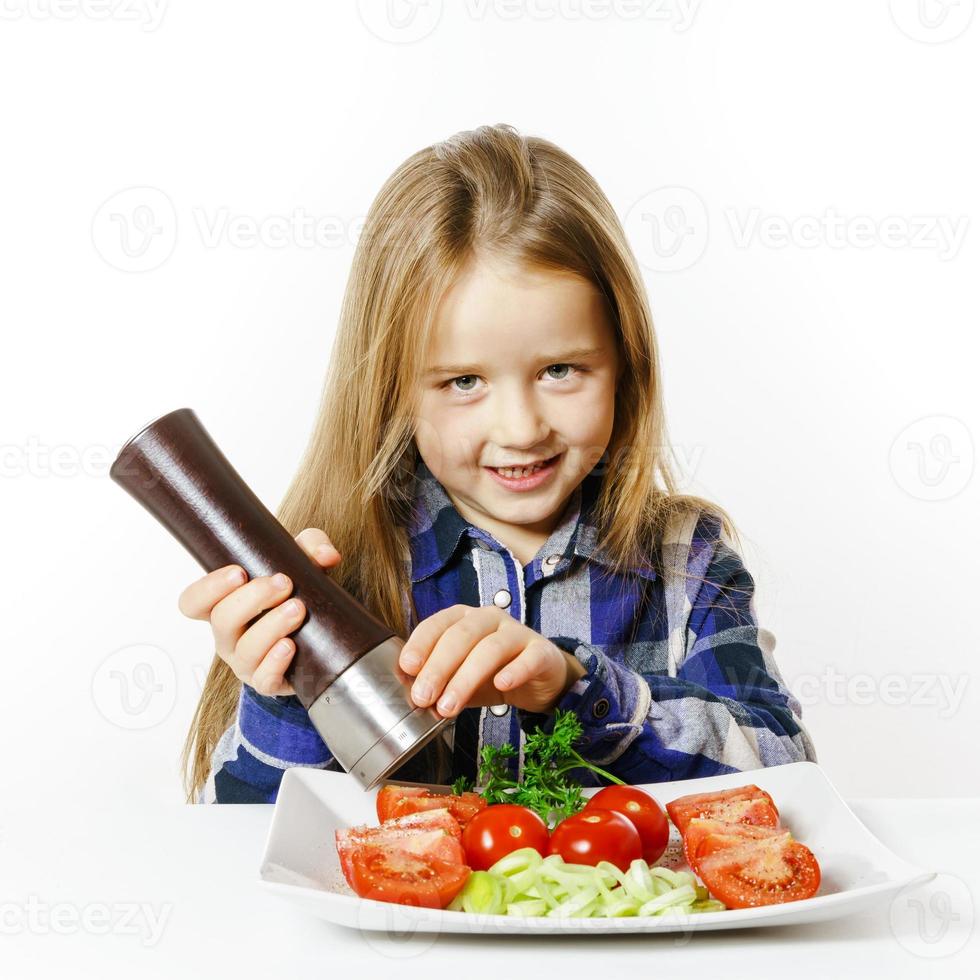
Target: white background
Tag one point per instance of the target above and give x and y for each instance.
(821, 389)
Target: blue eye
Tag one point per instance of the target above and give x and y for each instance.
(461, 377)
(572, 370)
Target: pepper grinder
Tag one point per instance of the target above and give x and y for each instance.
(345, 669)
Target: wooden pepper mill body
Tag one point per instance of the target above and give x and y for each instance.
(344, 671)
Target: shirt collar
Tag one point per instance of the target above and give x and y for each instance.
(436, 528)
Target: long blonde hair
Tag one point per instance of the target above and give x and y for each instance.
(489, 191)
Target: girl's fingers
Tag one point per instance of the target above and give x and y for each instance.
(200, 597)
(423, 638)
(268, 676)
(533, 661)
(495, 651)
(318, 546)
(443, 641)
(261, 637)
(232, 615)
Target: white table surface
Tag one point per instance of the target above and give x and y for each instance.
(174, 892)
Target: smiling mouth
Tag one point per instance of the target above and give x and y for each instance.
(520, 471)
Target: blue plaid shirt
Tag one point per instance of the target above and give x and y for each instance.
(680, 679)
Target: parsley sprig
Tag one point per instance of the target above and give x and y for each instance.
(545, 787)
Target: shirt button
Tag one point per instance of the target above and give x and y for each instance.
(601, 708)
(502, 599)
(552, 559)
(499, 709)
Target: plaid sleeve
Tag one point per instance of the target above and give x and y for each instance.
(270, 734)
(724, 709)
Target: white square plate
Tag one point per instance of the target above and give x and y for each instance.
(300, 862)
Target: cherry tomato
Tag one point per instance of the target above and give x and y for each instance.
(642, 810)
(500, 829)
(595, 835)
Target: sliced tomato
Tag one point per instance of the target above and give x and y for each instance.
(595, 835)
(413, 825)
(437, 819)
(743, 804)
(721, 833)
(435, 833)
(391, 874)
(433, 801)
(398, 801)
(760, 872)
(642, 810)
(500, 829)
(465, 806)
(389, 795)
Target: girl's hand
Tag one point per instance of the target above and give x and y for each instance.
(253, 642)
(466, 656)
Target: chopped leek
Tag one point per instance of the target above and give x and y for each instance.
(525, 884)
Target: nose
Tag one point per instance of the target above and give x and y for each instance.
(518, 425)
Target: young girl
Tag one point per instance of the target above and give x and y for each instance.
(495, 318)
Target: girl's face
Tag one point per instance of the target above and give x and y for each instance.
(522, 367)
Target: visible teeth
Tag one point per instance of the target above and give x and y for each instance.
(513, 473)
